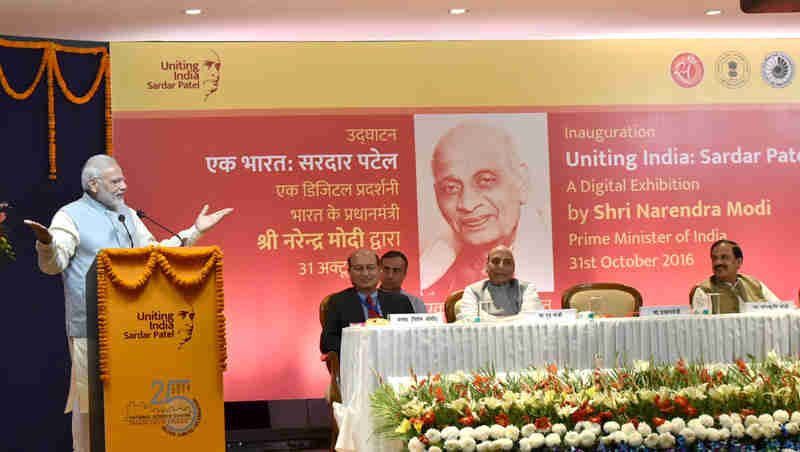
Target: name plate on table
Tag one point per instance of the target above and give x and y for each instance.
(648, 311)
(759, 306)
(432, 318)
(552, 314)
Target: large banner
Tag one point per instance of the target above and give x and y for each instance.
(629, 179)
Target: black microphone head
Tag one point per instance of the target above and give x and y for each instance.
(140, 213)
(121, 218)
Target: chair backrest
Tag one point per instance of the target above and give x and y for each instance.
(323, 310)
(450, 305)
(610, 299)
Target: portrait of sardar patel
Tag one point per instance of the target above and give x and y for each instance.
(485, 180)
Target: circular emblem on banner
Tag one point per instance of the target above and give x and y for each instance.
(733, 69)
(778, 69)
(687, 70)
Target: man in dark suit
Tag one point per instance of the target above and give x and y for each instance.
(360, 302)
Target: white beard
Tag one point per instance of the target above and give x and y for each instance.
(110, 201)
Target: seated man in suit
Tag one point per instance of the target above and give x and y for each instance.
(732, 286)
(360, 302)
(500, 296)
(394, 267)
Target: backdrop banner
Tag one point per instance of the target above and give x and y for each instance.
(596, 161)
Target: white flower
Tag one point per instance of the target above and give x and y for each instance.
(706, 420)
(528, 430)
(688, 435)
(735, 418)
(606, 440)
(619, 437)
(724, 433)
(796, 417)
(666, 427)
(651, 440)
(750, 420)
(433, 435)
(537, 439)
(666, 440)
(644, 429)
(635, 439)
(579, 426)
(451, 444)
(415, 445)
(450, 433)
(771, 430)
(765, 419)
(505, 443)
(559, 428)
(497, 431)
(678, 424)
(467, 444)
(588, 438)
(525, 445)
(552, 440)
(611, 427)
(628, 428)
(641, 366)
(572, 439)
(512, 432)
(754, 431)
(781, 416)
(725, 420)
(435, 449)
(713, 434)
(466, 432)
(792, 428)
(737, 430)
(484, 446)
(481, 433)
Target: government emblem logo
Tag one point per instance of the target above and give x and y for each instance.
(687, 70)
(733, 69)
(778, 69)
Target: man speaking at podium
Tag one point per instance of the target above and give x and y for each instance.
(99, 219)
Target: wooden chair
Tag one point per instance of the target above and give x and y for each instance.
(332, 362)
(615, 300)
(450, 305)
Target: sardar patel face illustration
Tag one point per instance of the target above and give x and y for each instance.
(210, 67)
(184, 325)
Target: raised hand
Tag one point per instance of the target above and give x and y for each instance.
(204, 221)
(41, 232)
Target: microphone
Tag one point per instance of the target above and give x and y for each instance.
(141, 214)
(122, 220)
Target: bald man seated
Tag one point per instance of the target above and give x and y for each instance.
(501, 296)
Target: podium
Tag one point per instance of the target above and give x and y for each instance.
(156, 344)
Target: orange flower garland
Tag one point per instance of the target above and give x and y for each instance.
(50, 63)
(158, 257)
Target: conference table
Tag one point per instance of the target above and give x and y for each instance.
(391, 351)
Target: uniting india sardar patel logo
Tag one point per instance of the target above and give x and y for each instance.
(200, 72)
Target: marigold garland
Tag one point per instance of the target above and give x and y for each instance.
(50, 64)
(158, 257)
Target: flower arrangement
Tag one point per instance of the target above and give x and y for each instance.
(6, 247)
(640, 407)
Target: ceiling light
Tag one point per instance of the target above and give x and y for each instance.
(193, 12)
(457, 11)
(713, 12)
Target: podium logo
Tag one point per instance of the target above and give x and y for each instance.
(777, 69)
(200, 73)
(172, 407)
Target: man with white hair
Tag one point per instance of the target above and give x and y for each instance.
(99, 219)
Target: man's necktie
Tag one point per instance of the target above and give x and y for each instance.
(372, 311)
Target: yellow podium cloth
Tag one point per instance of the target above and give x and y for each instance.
(162, 348)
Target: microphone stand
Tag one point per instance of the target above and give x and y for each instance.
(141, 214)
(122, 220)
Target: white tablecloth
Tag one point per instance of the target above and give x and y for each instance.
(391, 351)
